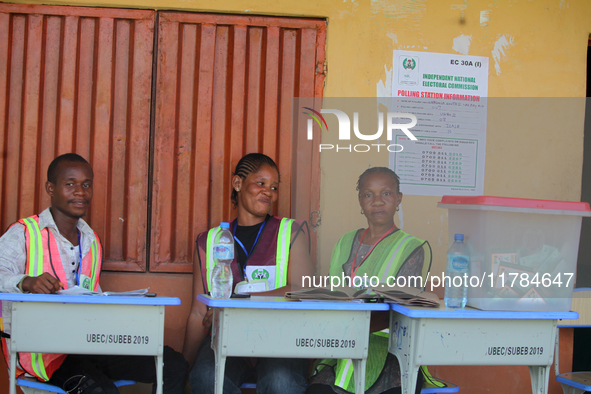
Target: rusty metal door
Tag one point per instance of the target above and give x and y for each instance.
(223, 88)
(78, 79)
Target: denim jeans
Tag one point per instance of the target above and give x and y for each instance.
(273, 375)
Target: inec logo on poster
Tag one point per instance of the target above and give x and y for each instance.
(345, 129)
(409, 63)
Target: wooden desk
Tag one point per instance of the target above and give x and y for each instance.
(87, 325)
(282, 328)
(441, 336)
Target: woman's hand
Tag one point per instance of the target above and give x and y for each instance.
(207, 320)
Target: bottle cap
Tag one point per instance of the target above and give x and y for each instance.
(226, 225)
(459, 237)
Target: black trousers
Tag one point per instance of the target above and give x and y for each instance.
(96, 373)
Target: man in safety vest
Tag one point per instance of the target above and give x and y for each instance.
(58, 250)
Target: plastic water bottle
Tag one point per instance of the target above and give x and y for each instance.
(223, 255)
(458, 264)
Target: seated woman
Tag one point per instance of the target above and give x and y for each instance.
(256, 238)
(380, 250)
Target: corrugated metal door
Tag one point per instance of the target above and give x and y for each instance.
(79, 79)
(224, 88)
(76, 79)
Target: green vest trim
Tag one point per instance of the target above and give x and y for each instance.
(36, 247)
(283, 245)
(38, 365)
(93, 269)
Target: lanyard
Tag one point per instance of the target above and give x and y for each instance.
(80, 260)
(253, 245)
(353, 269)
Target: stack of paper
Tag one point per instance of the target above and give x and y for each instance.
(396, 295)
(407, 296)
(77, 290)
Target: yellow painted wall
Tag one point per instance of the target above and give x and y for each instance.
(530, 152)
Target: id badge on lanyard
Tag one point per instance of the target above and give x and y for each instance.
(85, 282)
(81, 279)
(262, 273)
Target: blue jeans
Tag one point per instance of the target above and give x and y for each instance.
(273, 375)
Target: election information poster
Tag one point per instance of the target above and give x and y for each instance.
(447, 95)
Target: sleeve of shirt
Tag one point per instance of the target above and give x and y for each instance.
(12, 259)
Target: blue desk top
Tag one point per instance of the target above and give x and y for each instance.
(259, 302)
(90, 299)
(471, 313)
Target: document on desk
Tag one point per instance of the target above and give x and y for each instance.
(407, 296)
(325, 300)
(77, 290)
(336, 293)
(396, 295)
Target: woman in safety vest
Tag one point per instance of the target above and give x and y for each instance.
(267, 248)
(382, 253)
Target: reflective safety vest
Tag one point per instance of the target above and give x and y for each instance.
(261, 256)
(43, 256)
(384, 261)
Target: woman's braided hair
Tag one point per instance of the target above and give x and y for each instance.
(249, 164)
(379, 170)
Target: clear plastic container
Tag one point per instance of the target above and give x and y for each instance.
(458, 267)
(523, 251)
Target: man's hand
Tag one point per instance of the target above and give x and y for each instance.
(42, 284)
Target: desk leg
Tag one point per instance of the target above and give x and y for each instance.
(220, 367)
(13, 372)
(217, 332)
(359, 374)
(159, 359)
(409, 367)
(408, 379)
(403, 345)
(539, 379)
